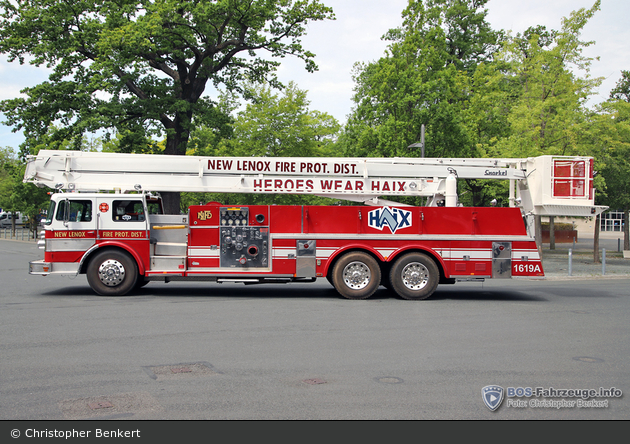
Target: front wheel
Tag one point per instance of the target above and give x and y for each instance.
(356, 275)
(112, 273)
(414, 276)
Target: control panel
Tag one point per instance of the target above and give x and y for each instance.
(242, 246)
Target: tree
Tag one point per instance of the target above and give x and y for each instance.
(275, 125)
(613, 138)
(529, 100)
(422, 79)
(551, 83)
(272, 125)
(141, 67)
(17, 196)
(622, 90)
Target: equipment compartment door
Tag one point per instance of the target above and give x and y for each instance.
(306, 257)
(501, 260)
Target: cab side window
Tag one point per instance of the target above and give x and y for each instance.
(75, 211)
(128, 211)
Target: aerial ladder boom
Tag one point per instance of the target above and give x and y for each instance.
(546, 185)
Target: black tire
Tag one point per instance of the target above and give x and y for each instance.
(112, 273)
(356, 275)
(414, 276)
(329, 278)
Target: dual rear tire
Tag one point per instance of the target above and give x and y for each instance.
(357, 275)
(414, 276)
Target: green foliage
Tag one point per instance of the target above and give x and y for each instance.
(557, 226)
(548, 113)
(613, 131)
(424, 78)
(480, 93)
(622, 90)
(254, 199)
(17, 196)
(611, 136)
(436, 72)
(138, 70)
(272, 125)
(141, 67)
(275, 125)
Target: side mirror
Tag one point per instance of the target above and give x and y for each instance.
(66, 212)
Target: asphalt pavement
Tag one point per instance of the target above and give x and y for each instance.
(199, 351)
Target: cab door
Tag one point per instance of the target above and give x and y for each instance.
(73, 229)
(123, 222)
(122, 217)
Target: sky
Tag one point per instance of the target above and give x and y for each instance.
(355, 36)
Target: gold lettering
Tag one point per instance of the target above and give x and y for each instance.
(204, 215)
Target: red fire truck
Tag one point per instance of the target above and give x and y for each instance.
(105, 220)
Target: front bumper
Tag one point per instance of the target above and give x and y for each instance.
(44, 268)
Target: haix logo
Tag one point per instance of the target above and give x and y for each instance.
(394, 218)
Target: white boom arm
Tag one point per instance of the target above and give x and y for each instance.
(356, 179)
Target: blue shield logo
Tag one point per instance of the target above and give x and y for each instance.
(492, 396)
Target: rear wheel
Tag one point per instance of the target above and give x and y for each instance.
(112, 273)
(414, 276)
(356, 275)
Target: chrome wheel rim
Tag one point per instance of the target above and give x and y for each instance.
(111, 273)
(415, 276)
(356, 275)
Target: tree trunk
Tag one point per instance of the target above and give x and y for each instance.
(476, 191)
(176, 143)
(171, 202)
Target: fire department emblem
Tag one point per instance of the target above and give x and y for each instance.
(394, 218)
(204, 215)
(103, 207)
(492, 396)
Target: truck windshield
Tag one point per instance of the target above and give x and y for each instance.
(50, 214)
